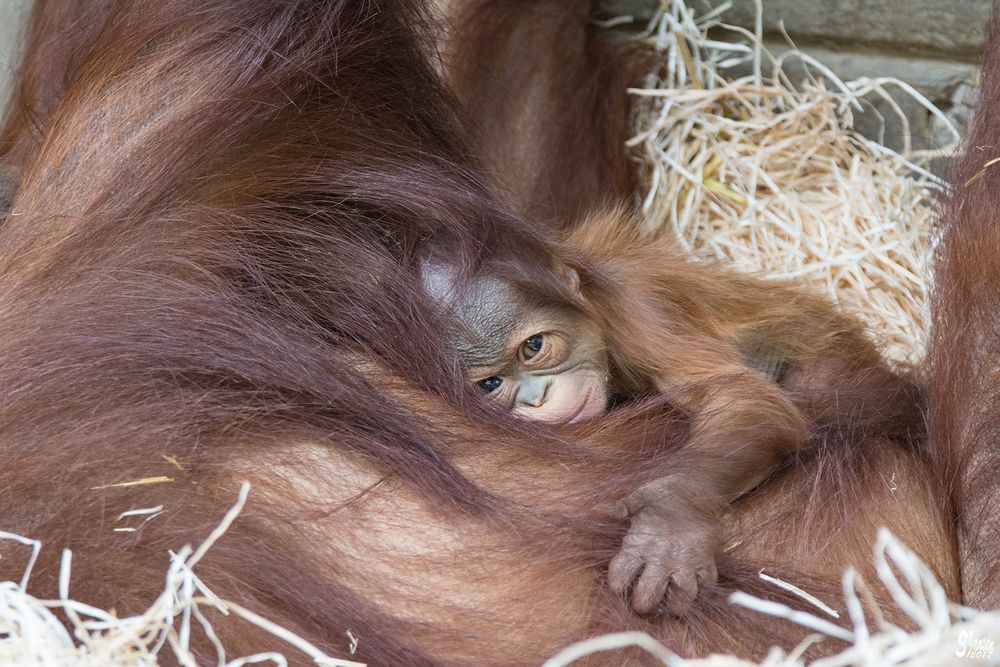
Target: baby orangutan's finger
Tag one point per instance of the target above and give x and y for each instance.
(625, 567)
(651, 587)
(683, 591)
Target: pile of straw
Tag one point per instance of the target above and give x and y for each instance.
(770, 175)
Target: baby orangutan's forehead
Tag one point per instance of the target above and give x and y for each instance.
(488, 314)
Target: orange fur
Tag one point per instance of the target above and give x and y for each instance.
(221, 212)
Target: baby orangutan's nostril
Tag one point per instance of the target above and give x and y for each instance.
(532, 392)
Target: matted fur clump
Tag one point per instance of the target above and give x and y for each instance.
(770, 175)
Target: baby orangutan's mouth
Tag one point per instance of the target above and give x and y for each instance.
(593, 404)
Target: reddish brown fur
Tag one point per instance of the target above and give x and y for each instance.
(683, 328)
(690, 327)
(545, 92)
(689, 330)
(212, 257)
(965, 348)
(696, 332)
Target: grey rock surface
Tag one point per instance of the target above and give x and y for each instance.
(919, 27)
(12, 17)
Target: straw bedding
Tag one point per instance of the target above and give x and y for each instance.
(769, 175)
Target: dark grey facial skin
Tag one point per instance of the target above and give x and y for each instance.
(564, 381)
(484, 314)
(489, 315)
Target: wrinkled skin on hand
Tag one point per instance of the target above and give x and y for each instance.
(670, 549)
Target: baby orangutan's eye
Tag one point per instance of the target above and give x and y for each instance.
(490, 384)
(532, 346)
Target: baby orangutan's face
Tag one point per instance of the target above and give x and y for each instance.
(545, 362)
(551, 368)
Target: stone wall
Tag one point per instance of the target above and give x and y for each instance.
(932, 44)
(12, 16)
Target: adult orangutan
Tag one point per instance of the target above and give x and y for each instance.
(964, 380)
(214, 256)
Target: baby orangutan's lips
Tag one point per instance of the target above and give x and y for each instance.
(593, 405)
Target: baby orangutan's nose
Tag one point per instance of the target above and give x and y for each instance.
(532, 392)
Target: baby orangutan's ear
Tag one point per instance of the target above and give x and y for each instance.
(570, 277)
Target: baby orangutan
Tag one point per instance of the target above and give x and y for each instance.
(545, 361)
(754, 363)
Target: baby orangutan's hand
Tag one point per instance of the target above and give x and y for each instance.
(669, 550)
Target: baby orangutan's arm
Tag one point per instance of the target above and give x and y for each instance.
(677, 325)
(742, 425)
(645, 316)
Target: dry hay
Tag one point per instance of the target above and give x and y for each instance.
(772, 177)
(943, 633)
